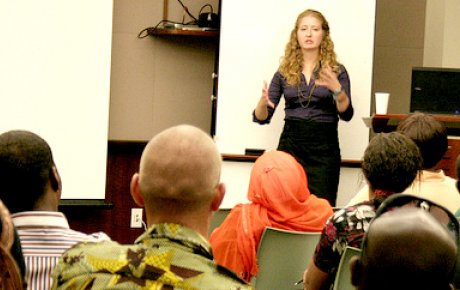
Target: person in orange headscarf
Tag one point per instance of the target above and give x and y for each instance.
(279, 195)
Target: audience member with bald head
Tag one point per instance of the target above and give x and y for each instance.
(179, 178)
(179, 186)
(406, 248)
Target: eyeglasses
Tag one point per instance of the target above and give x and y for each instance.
(443, 215)
(440, 213)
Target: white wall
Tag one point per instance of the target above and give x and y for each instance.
(253, 37)
(236, 176)
(351, 181)
(55, 81)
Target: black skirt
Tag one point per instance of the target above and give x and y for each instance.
(315, 145)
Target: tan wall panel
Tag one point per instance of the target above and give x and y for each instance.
(399, 40)
(157, 82)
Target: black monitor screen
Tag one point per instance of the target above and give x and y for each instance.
(435, 90)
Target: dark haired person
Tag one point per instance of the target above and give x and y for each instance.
(390, 163)
(30, 187)
(431, 183)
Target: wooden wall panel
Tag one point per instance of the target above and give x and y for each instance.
(122, 163)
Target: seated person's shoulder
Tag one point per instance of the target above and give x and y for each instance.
(361, 210)
(99, 236)
(83, 237)
(109, 262)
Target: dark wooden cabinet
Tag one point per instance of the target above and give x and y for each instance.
(448, 160)
(112, 217)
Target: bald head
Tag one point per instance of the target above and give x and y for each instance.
(406, 248)
(179, 169)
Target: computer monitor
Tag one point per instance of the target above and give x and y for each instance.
(435, 90)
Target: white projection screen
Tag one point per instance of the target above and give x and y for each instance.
(55, 81)
(252, 40)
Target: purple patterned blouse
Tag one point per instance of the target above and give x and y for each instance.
(301, 103)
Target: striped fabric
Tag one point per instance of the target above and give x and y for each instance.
(44, 237)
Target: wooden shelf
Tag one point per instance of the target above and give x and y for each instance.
(253, 158)
(182, 32)
(84, 203)
(447, 162)
(442, 118)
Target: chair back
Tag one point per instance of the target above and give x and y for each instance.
(343, 276)
(456, 281)
(282, 257)
(217, 219)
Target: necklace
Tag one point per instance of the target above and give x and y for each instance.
(302, 97)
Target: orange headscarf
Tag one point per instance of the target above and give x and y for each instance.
(279, 198)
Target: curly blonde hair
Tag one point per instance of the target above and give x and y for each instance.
(292, 61)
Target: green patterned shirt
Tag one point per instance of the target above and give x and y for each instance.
(167, 256)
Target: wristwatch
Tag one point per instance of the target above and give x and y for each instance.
(336, 93)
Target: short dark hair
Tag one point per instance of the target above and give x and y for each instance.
(391, 162)
(26, 163)
(429, 134)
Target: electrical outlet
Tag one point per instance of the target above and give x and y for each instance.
(136, 218)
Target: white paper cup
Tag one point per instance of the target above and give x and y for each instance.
(381, 103)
